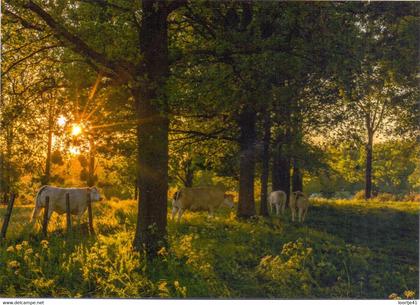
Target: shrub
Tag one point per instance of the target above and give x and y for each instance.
(414, 197)
(384, 197)
(359, 195)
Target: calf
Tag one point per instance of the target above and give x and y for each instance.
(277, 199)
(299, 201)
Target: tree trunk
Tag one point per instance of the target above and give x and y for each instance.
(189, 173)
(368, 171)
(265, 163)
(8, 163)
(297, 178)
(47, 174)
(92, 151)
(284, 172)
(281, 170)
(152, 130)
(136, 190)
(246, 206)
(275, 177)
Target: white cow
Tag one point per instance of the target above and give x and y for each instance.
(277, 199)
(199, 198)
(299, 200)
(78, 200)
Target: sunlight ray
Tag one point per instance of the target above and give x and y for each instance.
(132, 122)
(92, 93)
(94, 110)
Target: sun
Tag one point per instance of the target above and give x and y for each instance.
(76, 130)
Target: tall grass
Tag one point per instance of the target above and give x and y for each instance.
(346, 249)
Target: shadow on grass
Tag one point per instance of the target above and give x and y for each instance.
(384, 230)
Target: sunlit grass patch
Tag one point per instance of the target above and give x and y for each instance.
(340, 252)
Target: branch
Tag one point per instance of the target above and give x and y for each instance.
(212, 135)
(17, 49)
(174, 5)
(104, 4)
(28, 56)
(121, 68)
(23, 22)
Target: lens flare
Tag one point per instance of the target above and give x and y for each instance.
(61, 121)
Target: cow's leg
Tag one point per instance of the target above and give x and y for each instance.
(293, 214)
(50, 211)
(174, 211)
(277, 209)
(270, 205)
(180, 212)
(300, 214)
(211, 212)
(283, 208)
(304, 214)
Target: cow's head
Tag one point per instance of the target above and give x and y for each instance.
(37, 209)
(39, 204)
(94, 194)
(228, 200)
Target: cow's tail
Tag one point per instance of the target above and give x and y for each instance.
(38, 203)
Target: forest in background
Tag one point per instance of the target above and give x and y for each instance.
(142, 97)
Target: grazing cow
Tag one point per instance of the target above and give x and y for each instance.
(57, 203)
(277, 199)
(199, 198)
(299, 201)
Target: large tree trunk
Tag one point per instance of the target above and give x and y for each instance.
(281, 170)
(368, 171)
(136, 190)
(284, 173)
(246, 206)
(152, 130)
(297, 178)
(265, 163)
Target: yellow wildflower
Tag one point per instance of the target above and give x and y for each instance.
(28, 251)
(44, 243)
(18, 247)
(10, 249)
(13, 264)
(409, 294)
(25, 243)
(162, 251)
(394, 296)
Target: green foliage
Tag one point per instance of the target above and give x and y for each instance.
(331, 256)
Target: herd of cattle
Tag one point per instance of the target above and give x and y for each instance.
(193, 199)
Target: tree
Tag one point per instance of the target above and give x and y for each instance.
(146, 78)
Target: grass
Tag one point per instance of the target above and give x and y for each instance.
(346, 249)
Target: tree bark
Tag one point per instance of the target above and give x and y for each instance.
(246, 205)
(189, 173)
(47, 174)
(136, 190)
(281, 170)
(368, 171)
(92, 151)
(297, 178)
(265, 164)
(152, 130)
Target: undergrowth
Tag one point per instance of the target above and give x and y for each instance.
(346, 249)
